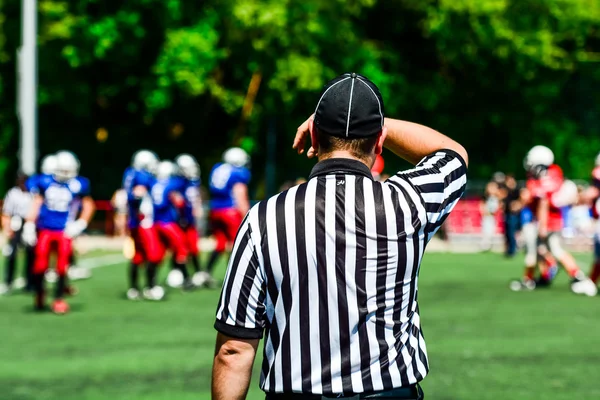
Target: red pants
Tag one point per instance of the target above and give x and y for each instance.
(171, 234)
(191, 236)
(47, 242)
(225, 224)
(147, 245)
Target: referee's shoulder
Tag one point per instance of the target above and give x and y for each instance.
(261, 206)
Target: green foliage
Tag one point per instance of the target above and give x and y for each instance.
(498, 75)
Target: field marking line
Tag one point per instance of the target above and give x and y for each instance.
(101, 261)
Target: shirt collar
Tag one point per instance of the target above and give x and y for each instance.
(340, 166)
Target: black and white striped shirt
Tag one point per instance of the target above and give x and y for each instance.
(17, 202)
(329, 271)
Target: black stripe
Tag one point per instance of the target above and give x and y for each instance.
(320, 236)
(304, 296)
(340, 274)
(250, 273)
(399, 286)
(272, 331)
(380, 282)
(286, 290)
(233, 266)
(361, 294)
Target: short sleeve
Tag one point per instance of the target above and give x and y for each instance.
(31, 184)
(440, 180)
(241, 309)
(86, 187)
(7, 205)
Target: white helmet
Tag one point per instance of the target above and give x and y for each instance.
(166, 169)
(49, 164)
(145, 159)
(598, 160)
(188, 166)
(67, 166)
(236, 157)
(538, 156)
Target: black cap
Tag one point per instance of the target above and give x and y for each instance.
(350, 106)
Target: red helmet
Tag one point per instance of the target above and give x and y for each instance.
(377, 168)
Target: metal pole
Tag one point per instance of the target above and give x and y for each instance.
(27, 90)
(271, 163)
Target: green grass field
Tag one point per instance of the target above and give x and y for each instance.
(484, 341)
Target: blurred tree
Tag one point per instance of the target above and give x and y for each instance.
(182, 75)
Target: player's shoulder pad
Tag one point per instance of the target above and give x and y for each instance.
(80, 186)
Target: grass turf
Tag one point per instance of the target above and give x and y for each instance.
(484, 341)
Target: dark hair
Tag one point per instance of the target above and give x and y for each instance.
(359, 148)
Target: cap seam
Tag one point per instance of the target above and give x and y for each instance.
(376, 98)
(349, 108)
(327, 90)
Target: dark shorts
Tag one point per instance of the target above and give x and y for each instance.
(413, 392)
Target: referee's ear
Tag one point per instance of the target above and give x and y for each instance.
(380, 140)
(314, 140)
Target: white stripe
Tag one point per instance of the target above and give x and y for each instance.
(350, 217)
(376, 98)
(332, 296)
(313, 288)
(294, 317)
(278, 277)
(328, 89)
(371, 282)
(349, 108)
(390, 282)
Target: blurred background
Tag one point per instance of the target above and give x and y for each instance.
(174, 76)
(171, 75)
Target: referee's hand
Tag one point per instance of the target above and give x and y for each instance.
(300, 140)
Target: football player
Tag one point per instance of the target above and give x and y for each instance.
(189, 174)
(137, 183)
(229, 201)
(592, 196)
(549, 193)
(48, 167)
(168, 206)
(50, 211)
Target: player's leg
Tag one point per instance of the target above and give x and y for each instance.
(133, 292)
(29, 262)
(174, 236)
(218, 220)
(191, 236)
(154, 253)
(63, 255)
(10, 251)
(529, 232)
(595, 272)
(40, 266)
(580, 284)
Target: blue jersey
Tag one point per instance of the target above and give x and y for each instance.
(132, 178)
(526, 215)
(190, 190)
(223, 178)
(164, 210)
(32, 183)
(59, 199)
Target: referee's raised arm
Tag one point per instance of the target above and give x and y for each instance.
(328, 270)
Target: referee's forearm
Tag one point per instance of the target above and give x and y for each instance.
(232, 368)
(413, 141)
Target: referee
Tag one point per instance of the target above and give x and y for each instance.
(15, 209)
(328, 270)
